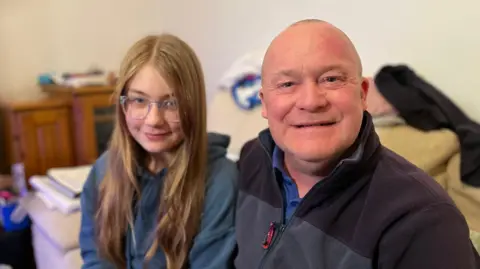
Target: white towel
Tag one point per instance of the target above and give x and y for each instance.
(250, 63)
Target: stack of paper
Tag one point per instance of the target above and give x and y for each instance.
(52, 198)
(69, 180)
(60, 189)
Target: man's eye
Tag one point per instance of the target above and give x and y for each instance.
(332, 79)
(287, 84)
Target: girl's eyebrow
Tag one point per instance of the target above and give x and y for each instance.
(142, 94)
(137, 92)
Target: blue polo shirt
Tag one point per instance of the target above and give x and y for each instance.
(291, 199)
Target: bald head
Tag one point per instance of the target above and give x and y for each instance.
(312, 75)
(307, 36)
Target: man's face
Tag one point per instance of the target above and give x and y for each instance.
(313, 95)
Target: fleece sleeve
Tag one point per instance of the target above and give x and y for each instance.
(88, 247)
(213, 247)
(436, 237)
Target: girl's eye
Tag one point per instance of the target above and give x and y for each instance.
(170, 104)
(138, 100)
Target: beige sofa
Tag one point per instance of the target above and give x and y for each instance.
(54, 236)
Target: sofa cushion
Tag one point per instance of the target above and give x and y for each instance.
(467, 198)
(61, 229)
(430, 151)
(73, 259)
(224, 116)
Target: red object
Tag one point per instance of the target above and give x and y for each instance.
(269, 237)
(6, 195)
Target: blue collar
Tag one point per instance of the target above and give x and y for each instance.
(279, 164)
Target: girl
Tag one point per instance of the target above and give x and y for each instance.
(163, 194)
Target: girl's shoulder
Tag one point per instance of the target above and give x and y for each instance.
(222, 177)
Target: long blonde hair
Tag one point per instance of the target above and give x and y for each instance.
(181, 202)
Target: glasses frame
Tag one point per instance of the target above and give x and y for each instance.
(160, 104)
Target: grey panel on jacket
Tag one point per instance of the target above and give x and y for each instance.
(304, 246)
(301, 245)
(259, 214)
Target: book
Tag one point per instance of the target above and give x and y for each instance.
(69, 180)
(52, 197)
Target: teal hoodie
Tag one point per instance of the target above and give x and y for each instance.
(214, 244)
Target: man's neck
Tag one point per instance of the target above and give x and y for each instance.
(306, 174)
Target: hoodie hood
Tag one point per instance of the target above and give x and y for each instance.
(217, 146)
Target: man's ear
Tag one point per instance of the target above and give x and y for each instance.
(264, 109)
(364, 91)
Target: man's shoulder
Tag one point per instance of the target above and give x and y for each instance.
(251, 151)
(253, 158)
(406, 185)
(414, 214)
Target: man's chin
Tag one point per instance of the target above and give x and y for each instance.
(315, 154)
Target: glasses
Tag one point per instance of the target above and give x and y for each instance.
(138, 108)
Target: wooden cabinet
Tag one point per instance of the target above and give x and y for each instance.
(70, 127)
(93, 120)
(39, 135)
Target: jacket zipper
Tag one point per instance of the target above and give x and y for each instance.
(284, 226)
(267, 245)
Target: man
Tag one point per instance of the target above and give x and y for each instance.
(318, 190)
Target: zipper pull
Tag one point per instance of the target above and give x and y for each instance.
(269, 236)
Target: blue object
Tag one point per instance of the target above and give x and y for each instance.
(45, 79)
(8, 225)
(249, 102)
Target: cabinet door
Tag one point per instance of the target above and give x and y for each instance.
(94, 120)
(43, 140)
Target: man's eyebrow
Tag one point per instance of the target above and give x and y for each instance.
(295, 73)
(337, 67)
(284, 73)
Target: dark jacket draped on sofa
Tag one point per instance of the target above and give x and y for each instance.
(426, 108)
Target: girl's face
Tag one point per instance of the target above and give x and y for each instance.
(151, 112)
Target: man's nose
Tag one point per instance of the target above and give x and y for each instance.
(311, 97)
(154, 116)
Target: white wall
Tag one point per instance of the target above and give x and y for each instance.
(439, 39)
(66, 35)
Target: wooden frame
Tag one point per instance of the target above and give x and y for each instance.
(84, 106)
